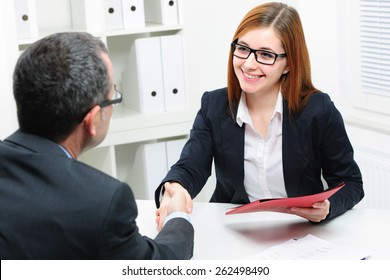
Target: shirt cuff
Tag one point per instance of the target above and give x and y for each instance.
(177, 214)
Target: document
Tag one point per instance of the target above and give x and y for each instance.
(282, 204)
(310, 247)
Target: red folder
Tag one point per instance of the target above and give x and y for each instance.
(282, 204)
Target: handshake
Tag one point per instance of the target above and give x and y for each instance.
(175, 199)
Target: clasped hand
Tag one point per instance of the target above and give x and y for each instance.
(175, 198)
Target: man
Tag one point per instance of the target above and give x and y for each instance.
(51, 205)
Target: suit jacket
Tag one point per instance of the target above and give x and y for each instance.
(314, 142)
(54, 207)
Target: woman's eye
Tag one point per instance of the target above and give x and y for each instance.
(242, 49)
(266, 55)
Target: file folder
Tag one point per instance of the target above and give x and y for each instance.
(161, 11)
(282, 204)
(26, 19)
(173, 73)
(142, 81)
(113, 14)
(133, 13)
(87, 15)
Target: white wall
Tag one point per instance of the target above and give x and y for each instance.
(8, 54)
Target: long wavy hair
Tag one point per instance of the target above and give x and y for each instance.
(296, 85)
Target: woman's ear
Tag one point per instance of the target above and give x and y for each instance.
(286, 70)
(90, 120)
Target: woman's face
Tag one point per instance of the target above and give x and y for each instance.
(254, 77)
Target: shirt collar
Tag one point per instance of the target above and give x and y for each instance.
(65, 151)
(243, 112)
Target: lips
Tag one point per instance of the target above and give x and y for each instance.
(251, 77)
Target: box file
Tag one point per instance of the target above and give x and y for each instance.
(161, 11)
(142, 81)
(173, 73)
(87, 15)
(147, 167)
(26, 19)
(113, 14)
(148, 164)
(154, 80)
(133, 13)
(174, 148)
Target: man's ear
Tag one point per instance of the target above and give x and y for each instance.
(90, 120)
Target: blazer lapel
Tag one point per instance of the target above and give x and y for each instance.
(233, 151)
(293, 130)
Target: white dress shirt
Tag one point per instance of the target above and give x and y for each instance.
(263, 165)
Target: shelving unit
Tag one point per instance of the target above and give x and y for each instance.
(128, 129)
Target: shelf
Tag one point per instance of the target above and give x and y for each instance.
(149, 28)
(128, 126)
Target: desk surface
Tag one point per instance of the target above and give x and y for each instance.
(220, 236)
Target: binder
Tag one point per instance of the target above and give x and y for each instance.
(154, 155)
(26, 19)
(174, 148)
(173, 72)
(161, 11)
(150, 164)
(87, 15)
(149, 168)
(142, 81)
(113, 14)
(133, 13)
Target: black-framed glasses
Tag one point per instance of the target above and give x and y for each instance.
(261, 56)
(116, 99)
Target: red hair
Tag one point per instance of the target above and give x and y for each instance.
(296, 86)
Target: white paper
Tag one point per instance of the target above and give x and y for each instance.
(310, 248)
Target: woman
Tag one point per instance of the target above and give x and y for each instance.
(271, 133)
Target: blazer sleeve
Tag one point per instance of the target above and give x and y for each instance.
(194, 166)
(120, 237)
(337, 158)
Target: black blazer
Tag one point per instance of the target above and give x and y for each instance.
(314, 141)
(53, 207)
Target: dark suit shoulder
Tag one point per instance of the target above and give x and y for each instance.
(318, 106)
(318, 103)
(214, 104)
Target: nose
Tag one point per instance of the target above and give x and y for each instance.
(251, 62)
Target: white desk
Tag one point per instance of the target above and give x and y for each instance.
(220, 236)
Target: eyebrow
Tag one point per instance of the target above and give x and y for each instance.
(261, 49)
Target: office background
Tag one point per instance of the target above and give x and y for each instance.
(335, 32)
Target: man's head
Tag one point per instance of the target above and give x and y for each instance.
(58, 80)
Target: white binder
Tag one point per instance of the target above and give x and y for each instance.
(173, 73)
(161, 11)
(155, 166)
(87, 15)
(174, 148)
(133, 13)
(148, 170)
(113, 14)
(26, 19)
(142, 81)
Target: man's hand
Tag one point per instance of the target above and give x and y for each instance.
(175, 198)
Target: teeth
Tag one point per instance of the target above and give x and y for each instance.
(251, 76)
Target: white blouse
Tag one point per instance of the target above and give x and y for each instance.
(263, 165)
